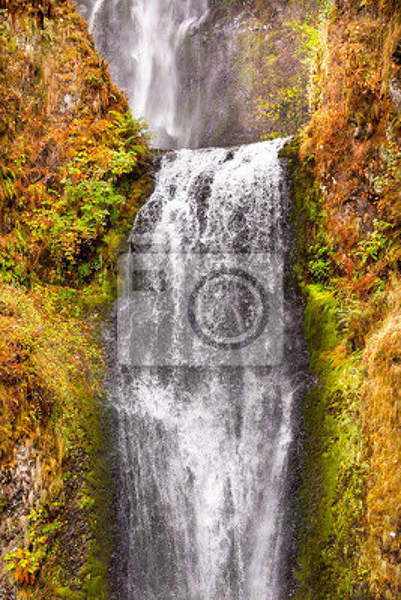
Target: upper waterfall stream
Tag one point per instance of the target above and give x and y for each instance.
(176, 61)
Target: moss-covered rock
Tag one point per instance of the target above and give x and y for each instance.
(346, 189)
(74, 170)
(74, 166)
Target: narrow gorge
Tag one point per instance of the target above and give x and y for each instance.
(200, 300)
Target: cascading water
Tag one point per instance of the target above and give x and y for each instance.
(204, 388)
(156, 32)
(208, 348)
(176, 63)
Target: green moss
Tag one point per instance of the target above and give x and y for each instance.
(98, 502)
(66, 593)
(331, 494)
(345, 167)
(75, 168)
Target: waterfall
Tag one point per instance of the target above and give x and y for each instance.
(204, 384)
(157, 32)
(176, 61)
(208, 354)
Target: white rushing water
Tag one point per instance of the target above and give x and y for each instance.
(155, 35)
(176, 65)
(204, 405)
(206, 371)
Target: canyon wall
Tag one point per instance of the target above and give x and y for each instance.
(346, 167)
(74, 169)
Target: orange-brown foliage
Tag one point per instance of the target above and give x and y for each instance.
(353, 143)
(56, 100)
(382, 425)
(350, 125)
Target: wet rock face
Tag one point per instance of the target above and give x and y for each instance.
(20, 482)
(397, 54)
(395, 91)
(7, 592)
(23, 490)
(395, 82)
(19, 492)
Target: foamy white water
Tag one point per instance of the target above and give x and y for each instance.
(205, 431)
(205, 379)
(176, 61)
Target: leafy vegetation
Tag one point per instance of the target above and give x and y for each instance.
(51, 371)
(345, 167)
(74, 161)
(74, 170)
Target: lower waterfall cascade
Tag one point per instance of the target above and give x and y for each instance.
(209, 362)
